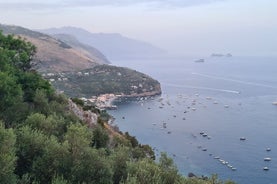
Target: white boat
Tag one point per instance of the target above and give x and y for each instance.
(266, 168)
(274, 103)
(267, 159)
(268, 149)
(230, 166)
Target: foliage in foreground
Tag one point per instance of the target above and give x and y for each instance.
(41, 141)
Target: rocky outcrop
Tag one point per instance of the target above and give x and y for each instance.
(88, 117)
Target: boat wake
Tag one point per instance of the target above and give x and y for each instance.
(234, 80)
(202, 88)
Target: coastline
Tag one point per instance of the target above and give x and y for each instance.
(107, 101)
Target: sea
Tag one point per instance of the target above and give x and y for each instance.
(205, 109)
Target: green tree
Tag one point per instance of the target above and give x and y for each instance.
(100, 137)
(10, 91)
(59, 180)
(51, 125)
(120, 158)
(55, 160)
(91, 168)
(7, 155)
(144, 171)
(21, 51)
(78, 138)
(169, 172)
(30, 145)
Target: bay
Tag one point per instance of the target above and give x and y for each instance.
(226, 98)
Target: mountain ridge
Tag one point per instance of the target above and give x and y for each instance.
(113, 45)
(54, 54)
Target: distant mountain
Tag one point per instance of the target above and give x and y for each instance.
(89, 51)
(57, 55)
(112, 45)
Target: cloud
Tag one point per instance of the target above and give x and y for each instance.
(166, 3)
(27, 5)
(56, 4)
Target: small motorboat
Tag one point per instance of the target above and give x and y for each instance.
(266, 168)
(267, 159)
(204, 149)
(242, 138)
(268, 149)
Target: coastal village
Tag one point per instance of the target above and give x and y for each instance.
(102, 102)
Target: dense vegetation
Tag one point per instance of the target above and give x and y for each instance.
(102, 79)
(41, 141)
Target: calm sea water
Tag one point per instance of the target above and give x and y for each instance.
(227, 98)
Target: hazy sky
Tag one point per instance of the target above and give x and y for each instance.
(202, 27)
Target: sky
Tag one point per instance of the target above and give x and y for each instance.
(183, 27)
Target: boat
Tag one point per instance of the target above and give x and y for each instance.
(274, 103)
(226, 106)
(204, 135)
(204, 149)
(234, 169)
(230, 166)
(267, 159)
(268, 149)
(216, 157)
(242, 138)
(266, 168)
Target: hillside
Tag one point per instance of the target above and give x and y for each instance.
(45, 138)
(113, 45)
(56, 55)
(103, 79)
(63, 58)
(89, 51)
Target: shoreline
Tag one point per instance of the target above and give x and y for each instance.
(107, 101)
